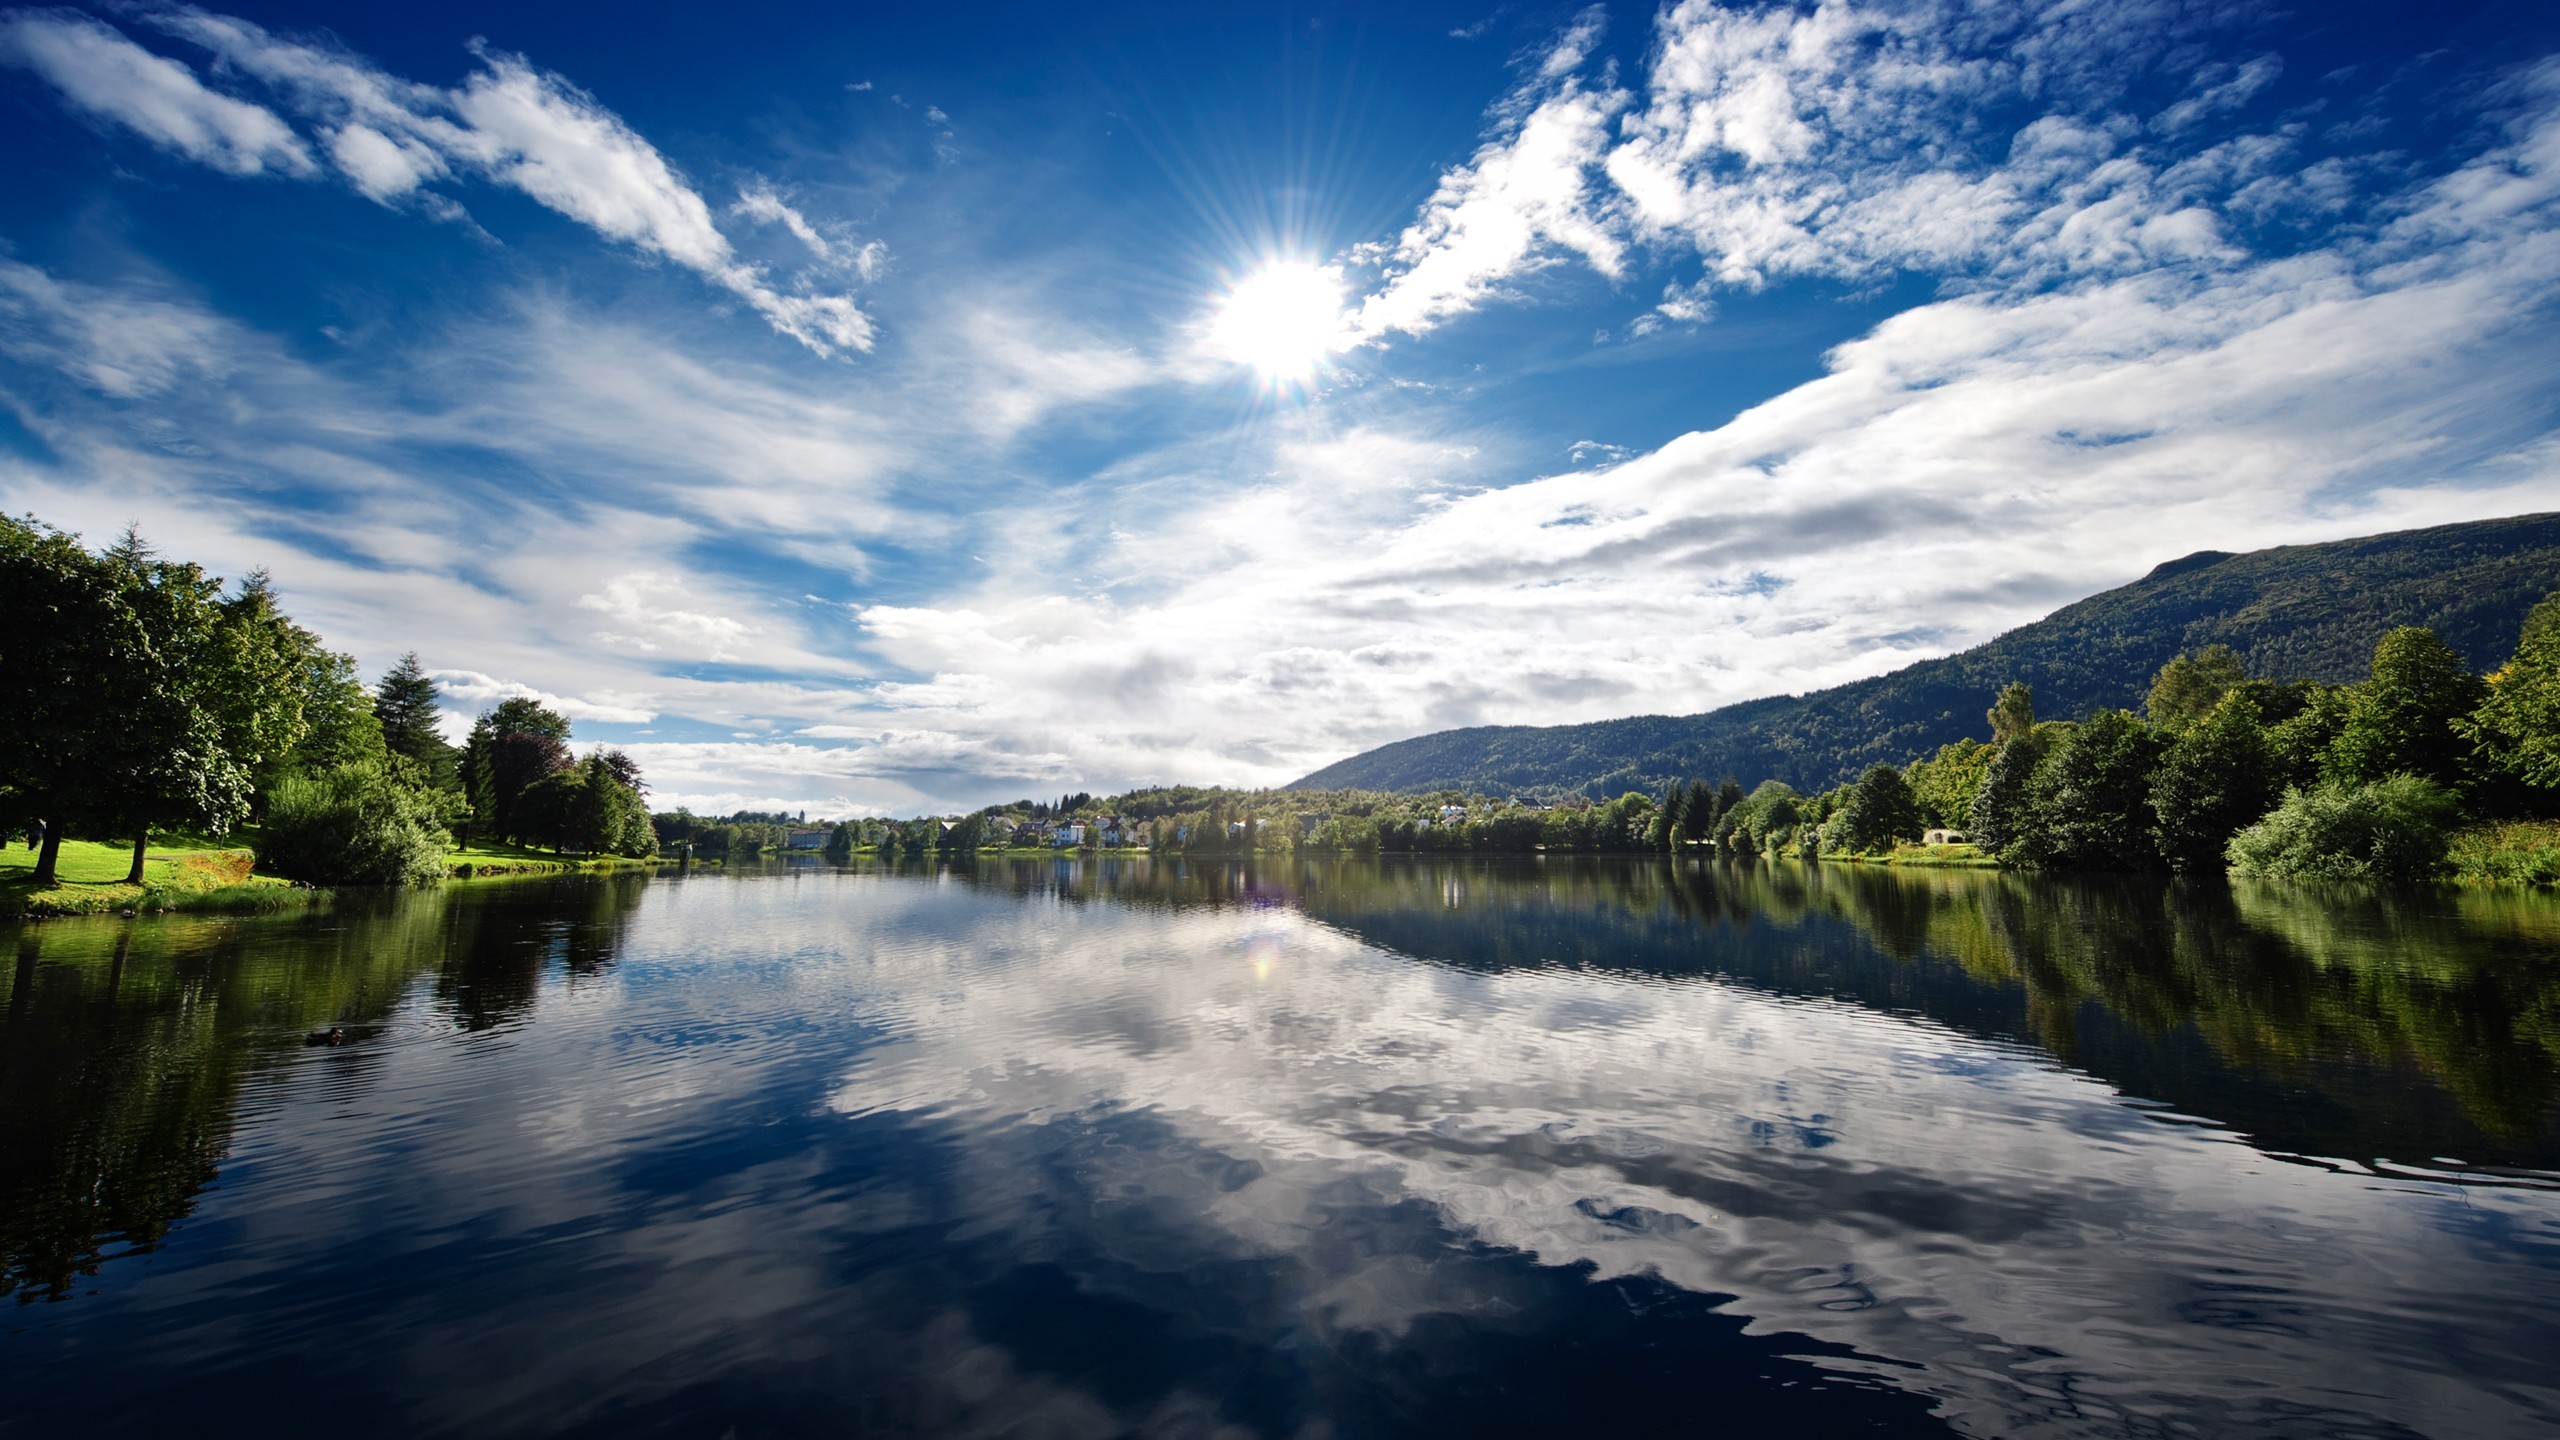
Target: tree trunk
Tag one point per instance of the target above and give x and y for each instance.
(141, 846)
(46, 857)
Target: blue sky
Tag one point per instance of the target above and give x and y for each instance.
(905, 408)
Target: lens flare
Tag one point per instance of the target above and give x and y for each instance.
(1283, 320)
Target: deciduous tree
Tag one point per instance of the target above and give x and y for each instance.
(2402, 720)
(2188, 687)
(2088, 805)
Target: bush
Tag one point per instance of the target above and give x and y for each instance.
(2393, 829)
(2518, 852)
(355, 825)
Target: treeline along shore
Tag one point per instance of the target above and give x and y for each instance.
(2423, 769)
(147, 699)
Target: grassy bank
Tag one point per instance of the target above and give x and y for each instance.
(178, 875)
(2512, 852)
(484, 861)
(1945, 857)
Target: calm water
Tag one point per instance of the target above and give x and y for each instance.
(1069, 1149)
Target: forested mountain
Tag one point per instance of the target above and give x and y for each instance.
(2294, 612)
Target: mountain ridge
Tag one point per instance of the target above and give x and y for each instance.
(2292, 611)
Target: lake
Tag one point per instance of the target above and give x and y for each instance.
(1108, 1147)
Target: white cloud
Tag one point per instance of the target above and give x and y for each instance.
(108, 75)
(1973, 462)
(644, 609)
(762, 203)
(551, 502)
(123, 344)
(483, 691)
(1526, 192)
(508, 123)
(1840, 139)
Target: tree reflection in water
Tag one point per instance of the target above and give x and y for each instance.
(127, 1045)
(2325, 1021)
(2343, 1023)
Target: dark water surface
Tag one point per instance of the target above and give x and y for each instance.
(1127, 1147)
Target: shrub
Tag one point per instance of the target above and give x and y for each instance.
(2393, 829)
(2518, 852)
(355, 825)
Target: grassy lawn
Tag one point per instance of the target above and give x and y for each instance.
(177, 874)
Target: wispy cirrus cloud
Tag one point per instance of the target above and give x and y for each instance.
(107, 75)
(508, 123)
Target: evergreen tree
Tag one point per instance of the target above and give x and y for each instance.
(1728, 794)
(2215, 779)
(2403, 719)
(1699, 810)
(404, 703)
(2089, 804)
(1667, 820)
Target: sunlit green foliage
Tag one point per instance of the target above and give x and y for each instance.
(2088, 803)
(1946, 783)
(2189, 687)
(356, 824)
(2402, 719)
(1879, 812)
(2515, 732)
(2393, 829)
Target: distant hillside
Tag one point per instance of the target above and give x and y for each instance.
(2294, 612)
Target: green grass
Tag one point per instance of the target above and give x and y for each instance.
(1949, 857)
(2512, 852)
(482, 860)
(179, 874)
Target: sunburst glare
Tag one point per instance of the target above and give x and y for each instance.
(1282, 319)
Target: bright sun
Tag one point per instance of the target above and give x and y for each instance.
(1282, 320)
